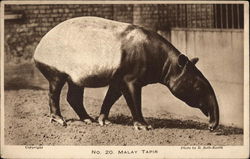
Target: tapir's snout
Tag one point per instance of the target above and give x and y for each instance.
(212, 111)
(212, 126)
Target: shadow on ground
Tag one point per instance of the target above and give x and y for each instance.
(172, 124)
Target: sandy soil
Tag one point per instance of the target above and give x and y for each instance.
(27, 123)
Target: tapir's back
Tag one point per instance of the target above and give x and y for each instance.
(82, 46)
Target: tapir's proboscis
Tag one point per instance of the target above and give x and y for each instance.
(95, 52)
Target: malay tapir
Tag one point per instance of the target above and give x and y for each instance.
(96, 52)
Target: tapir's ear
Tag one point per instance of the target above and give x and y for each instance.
(182, 60)
(194, 60)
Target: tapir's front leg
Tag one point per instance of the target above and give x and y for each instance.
(132, 94)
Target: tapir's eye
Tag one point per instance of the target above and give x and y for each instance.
(198, 89)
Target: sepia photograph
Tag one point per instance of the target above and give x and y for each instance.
(115, 79)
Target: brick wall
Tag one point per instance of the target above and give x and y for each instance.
(146, 15)
(22, 35)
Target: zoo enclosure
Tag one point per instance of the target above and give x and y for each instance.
(214, 32)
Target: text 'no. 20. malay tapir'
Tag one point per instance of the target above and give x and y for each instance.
(96, 52)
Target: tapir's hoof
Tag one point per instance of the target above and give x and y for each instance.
(102, 121)
(59, 120)
(139, 126)
(105, 122)
(88, 120)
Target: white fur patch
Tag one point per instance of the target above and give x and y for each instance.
(137, 35)
(82, 47)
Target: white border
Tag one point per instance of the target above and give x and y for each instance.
(2, 73)
(246, 75)
(163, 151)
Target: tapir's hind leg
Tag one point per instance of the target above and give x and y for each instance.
(75, 99)
(111, 97)
(55, 88)
(56, 81)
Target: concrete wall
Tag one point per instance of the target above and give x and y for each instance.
(221, 61)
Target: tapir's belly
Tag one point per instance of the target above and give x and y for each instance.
(89, 54)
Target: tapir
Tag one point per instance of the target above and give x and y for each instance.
(96, 52)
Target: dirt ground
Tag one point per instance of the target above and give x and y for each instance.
(27, 123)
(27, 120)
